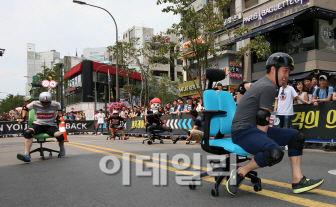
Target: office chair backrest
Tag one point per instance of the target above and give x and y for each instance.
(226, 103)
(31, 117)
(211, 102)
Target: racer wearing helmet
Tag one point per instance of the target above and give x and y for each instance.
(154, 122)
(251, 132)
(45, 114)
(116, 122)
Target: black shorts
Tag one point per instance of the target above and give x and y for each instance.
(116, 127)
(44, 129)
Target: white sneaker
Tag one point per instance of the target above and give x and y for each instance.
(95, 134)
(101, 134)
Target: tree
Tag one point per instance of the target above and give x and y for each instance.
(159, 50)
(200, 30)
(127, 51)
(10, 102)
(164, 88)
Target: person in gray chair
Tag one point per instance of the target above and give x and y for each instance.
(45, 113)
(154, 122)
(251, 132)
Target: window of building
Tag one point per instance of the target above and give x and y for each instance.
(159, 72)
(232, 47)
(250, 3)
(326, 35)
(102, 77)
(292, 39)
(178, 34)
(179, 62)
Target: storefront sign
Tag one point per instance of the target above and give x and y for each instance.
(327, 33)
(236, 75)
(199, 4)
(262, 13)
(189, 88)
(232, 19)
(233, 63)
(296, 36)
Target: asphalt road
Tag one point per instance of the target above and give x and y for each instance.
(77, 179)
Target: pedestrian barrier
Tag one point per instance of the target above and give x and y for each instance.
(318, 123)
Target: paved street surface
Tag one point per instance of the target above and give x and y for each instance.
(77, 180)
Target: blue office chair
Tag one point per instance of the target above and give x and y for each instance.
(218, 115)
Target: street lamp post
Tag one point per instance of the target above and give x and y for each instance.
(117, 68)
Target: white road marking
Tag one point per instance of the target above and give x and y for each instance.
(333, 172)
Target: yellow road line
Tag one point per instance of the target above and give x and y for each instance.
(271, 182)
(276, 195)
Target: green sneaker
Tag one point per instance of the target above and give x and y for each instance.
(306, 184)
(233, 183)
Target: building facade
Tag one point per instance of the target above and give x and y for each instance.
(37, 60)
(145, 34)
(305, 29)
(80, 93)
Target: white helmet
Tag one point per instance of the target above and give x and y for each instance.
(45, 97)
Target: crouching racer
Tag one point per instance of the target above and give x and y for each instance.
(154, 122)
(115, 123)
(251, 132)
(45, 113)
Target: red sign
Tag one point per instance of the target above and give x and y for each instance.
(233, 63)
(71, 89)
(236, 75)
(45, 115)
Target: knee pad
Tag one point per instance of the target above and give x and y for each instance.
(60, 138)
(273, 156)
(297, 142)
(28, 133)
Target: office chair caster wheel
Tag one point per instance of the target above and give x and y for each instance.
(214, 192)
(50, 155)
(192, 186)
(59, 156)
(161, 141)
(149, 142)
(257, 187)
(143, 142)
(42, 158)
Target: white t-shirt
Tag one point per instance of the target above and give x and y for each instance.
(45, 116)
(100, 117)
(302, 96)
(285, 100)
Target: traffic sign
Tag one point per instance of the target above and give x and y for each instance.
(52, 84)
(45, 83)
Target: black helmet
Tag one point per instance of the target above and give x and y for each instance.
(157, 115)
(280, 59)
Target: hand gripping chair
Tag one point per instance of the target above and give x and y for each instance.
(218, 114)
(40, 138)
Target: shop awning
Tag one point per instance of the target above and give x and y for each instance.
(76, 70)
(108, 68)
(299, 76)
(326, 12)
(271, 26)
